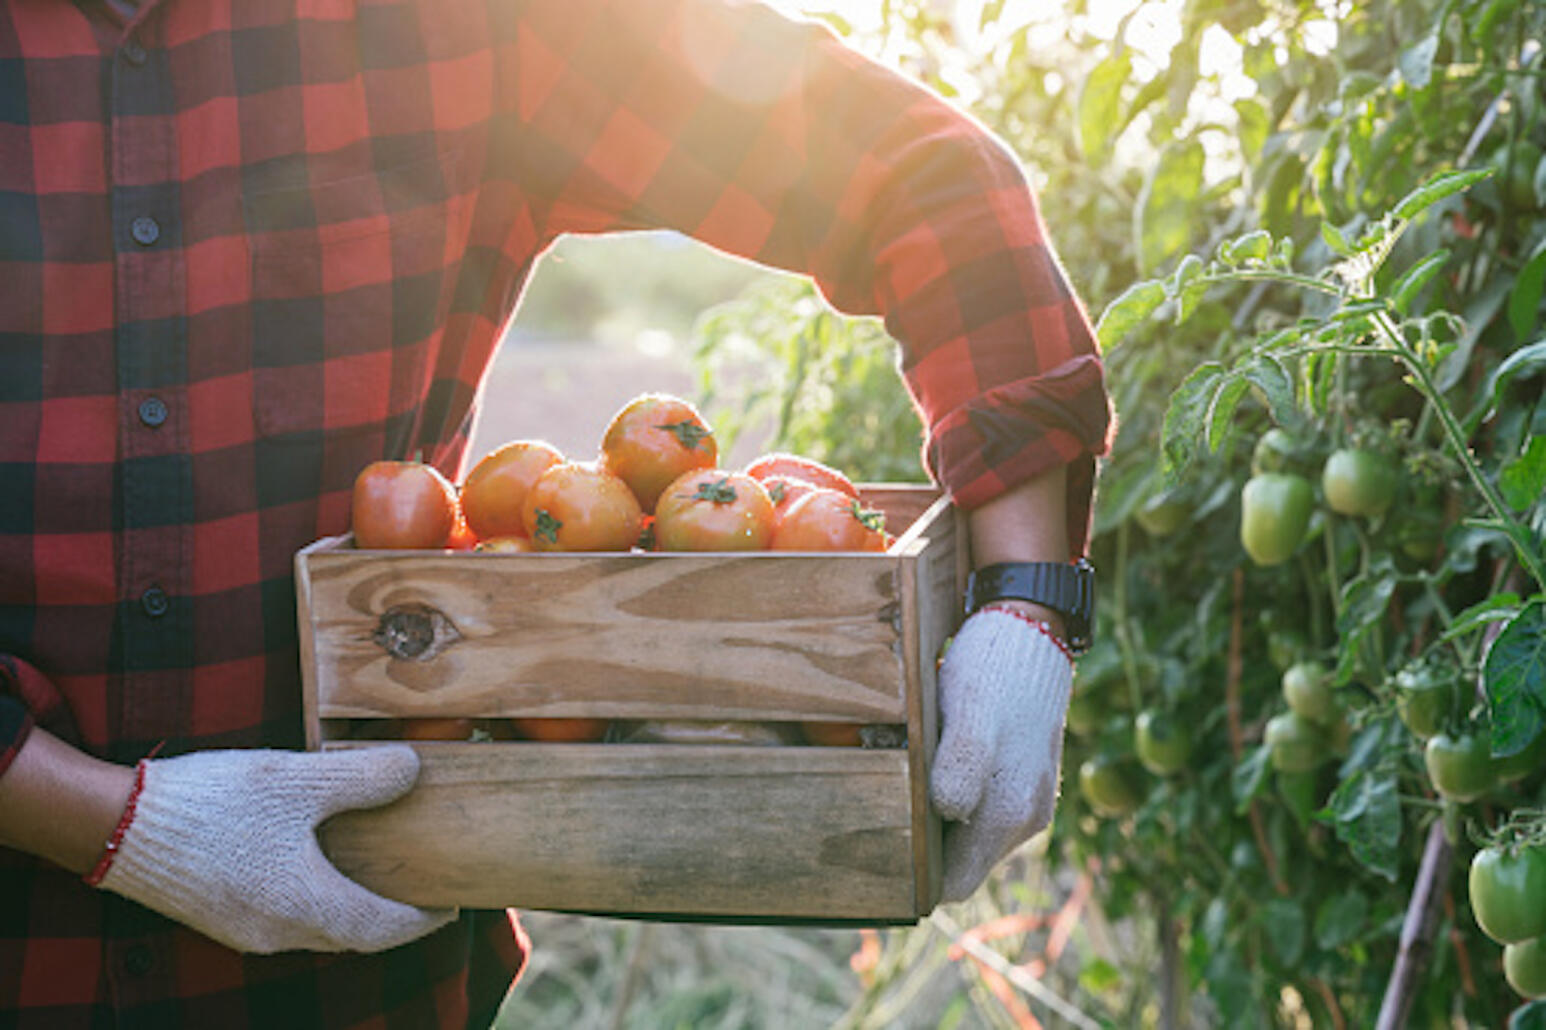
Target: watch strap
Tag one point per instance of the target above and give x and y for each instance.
(1068, 588)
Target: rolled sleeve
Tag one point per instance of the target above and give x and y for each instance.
(29, 699)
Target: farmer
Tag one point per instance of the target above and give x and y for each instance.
(248, 247)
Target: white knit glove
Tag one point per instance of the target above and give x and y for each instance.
(225, 842)
(1003, 694)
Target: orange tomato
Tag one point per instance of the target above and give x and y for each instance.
(494, 492)
(654, 439)
(438, 729)
(796, 466)
(832, 734)
(785, 490)
(563, 731)
(462, 538)
(714, 510)
(579, 506)
(827, 520)
(402, 504)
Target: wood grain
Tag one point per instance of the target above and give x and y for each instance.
(751, 832)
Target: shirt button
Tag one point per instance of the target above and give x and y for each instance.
(145, 230)
(155, 602)
(138, 960)
(153, 411)
(134, 53)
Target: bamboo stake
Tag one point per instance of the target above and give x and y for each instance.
(1417, 930)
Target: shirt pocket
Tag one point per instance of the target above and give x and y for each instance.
(351, 283)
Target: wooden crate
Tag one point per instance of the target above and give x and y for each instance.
(691, 831)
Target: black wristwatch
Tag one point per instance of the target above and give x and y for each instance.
(1068, 588)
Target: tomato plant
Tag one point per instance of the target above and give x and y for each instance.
(1295, 743)
(1110, 786)
(579, 506)
(1162, 742)
(714, 510)
(494, 492)
(402, 504)
(1307, 690)
(654, 439)
(1425, 697)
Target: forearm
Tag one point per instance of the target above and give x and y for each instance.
(60, 803)
(1026, 524)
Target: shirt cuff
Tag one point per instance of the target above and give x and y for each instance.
(1015, 432)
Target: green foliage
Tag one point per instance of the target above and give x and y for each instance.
(1345, 241)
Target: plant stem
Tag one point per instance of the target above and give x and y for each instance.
(1452, 433)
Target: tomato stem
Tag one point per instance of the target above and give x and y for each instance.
(688, 432)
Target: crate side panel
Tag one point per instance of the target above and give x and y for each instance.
(714, 831)
(761, 636)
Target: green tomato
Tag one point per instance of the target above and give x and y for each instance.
(1460, 766)
(1508, 892)
(1110, 786)
(1086, 712)
(1425, 697)
(1307, 689)
(1163, 742)
(1419, 534)
(1274, 516)
(1359, 482)
(1524, 967)
(1295, 744)
(1162, 516)
(1277, 451)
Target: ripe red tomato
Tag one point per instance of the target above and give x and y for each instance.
(653, 440)
(796, 466)
(494, 492)
(563, 731)
(402, 505)
(579, 506)
(714, 510)
(507, 545)
(826, 520)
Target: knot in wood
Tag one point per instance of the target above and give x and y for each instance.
(414, 632)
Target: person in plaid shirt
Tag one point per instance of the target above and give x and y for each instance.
(247, 248)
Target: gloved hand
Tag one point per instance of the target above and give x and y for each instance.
(1003, 695)
(225, 842)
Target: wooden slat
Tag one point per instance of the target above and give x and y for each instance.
(769, 832)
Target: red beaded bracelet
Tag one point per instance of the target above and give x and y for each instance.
(110, 851)
(1045, 629)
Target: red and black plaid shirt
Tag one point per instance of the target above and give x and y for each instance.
(248, 246)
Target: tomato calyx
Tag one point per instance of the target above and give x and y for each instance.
(869, 518)
(547, 526)
(718, 492)
(688, 432)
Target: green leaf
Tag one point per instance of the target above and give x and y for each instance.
(1253, 126)
(1130, 309)
(1340, 919)
(1523, 479)
(1165, 216)
(1183, 424)
(1416, 61)
(1497, 608)
(1405, 290)
(1524, 300)
(1222, 411)
(1252, 246)
(1100, 106)
(1284, 923)
(1435, 190)
(1524, 361)
(1274, 386)
(1514, 676)
(1365, 810)
(1336, 240)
